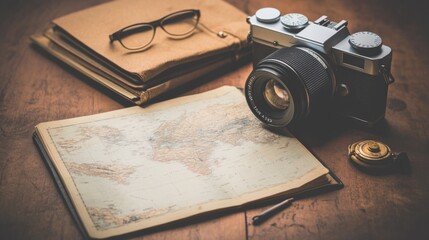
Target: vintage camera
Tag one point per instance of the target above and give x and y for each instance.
(304, 68)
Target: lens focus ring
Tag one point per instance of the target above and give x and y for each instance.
(312, 71)
(304, 72)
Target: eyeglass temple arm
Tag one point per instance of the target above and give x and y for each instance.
(113, 37)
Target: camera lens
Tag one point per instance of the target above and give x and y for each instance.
(276, 95)
(288, 85)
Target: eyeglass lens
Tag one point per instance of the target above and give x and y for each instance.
(180, 24)
(137, 36)
(141, 35)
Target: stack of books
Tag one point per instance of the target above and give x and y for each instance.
(122, 46)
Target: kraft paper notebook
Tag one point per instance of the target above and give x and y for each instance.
(81, 40)
(138, 168)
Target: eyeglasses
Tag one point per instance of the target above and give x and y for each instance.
(139, 36)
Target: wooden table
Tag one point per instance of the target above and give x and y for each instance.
(35, 88)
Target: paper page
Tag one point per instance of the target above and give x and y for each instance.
(140, 167)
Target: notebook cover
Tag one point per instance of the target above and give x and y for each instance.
(92, 27)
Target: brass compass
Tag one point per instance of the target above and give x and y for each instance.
(371, 154)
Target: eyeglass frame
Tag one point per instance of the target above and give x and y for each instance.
(116, 36)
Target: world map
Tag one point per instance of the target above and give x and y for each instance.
(180, 157)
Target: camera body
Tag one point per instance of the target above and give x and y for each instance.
(303, 67)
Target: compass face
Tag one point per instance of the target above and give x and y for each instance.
(294, 21)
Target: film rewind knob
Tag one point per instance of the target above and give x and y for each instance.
(268, 15)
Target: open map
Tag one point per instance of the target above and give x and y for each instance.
(177, 158)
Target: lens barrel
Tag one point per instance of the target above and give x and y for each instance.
(288, 85)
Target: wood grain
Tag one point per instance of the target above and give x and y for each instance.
(35, 88)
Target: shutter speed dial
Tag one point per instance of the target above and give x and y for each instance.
(367, 43)
(294, 21)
